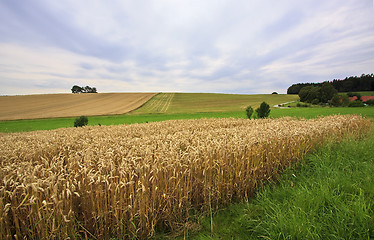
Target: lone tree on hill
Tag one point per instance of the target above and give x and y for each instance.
(86, 89)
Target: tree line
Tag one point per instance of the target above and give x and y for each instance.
(349, 84)
(86, 89)
(317, 94)
(327, 92)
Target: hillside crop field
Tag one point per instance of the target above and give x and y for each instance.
(128, 181)
(209, 102)
(69, 105)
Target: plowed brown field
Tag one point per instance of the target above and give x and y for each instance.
(69, 105)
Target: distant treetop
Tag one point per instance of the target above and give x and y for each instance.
(86, 89)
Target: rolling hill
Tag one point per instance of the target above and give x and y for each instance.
(209, 102)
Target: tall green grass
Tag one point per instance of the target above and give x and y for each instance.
(330, 195)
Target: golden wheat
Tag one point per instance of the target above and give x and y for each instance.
(125, 181)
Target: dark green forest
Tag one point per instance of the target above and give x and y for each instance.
(349, 84)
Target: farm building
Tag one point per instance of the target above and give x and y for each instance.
(363, 98)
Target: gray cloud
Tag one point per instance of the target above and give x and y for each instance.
(242, 46)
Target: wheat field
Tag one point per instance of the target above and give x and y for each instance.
(69, 105)
(128, 181)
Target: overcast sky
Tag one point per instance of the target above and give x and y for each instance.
(233, 46)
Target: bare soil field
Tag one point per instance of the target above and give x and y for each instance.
(69, 105)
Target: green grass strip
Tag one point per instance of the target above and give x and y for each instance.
(54, 123)
(321, 111)
(328, 196)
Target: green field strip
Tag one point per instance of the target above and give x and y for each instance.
(150, 105)
(158, 104)
(167, 103)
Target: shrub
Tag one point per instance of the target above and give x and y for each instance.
(345, 100)
(249, 111)
(339, 100)
(370, 102)
(274, 93)
(356, 104)
(335, 101)
(351, 94)
(263, 111)
(81, 121)
(315, 101)
(302, 105)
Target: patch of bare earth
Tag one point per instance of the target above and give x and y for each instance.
(69, 105)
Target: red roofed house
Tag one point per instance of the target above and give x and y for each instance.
(363, 98)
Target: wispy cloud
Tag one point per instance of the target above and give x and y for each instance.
(242, 46)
